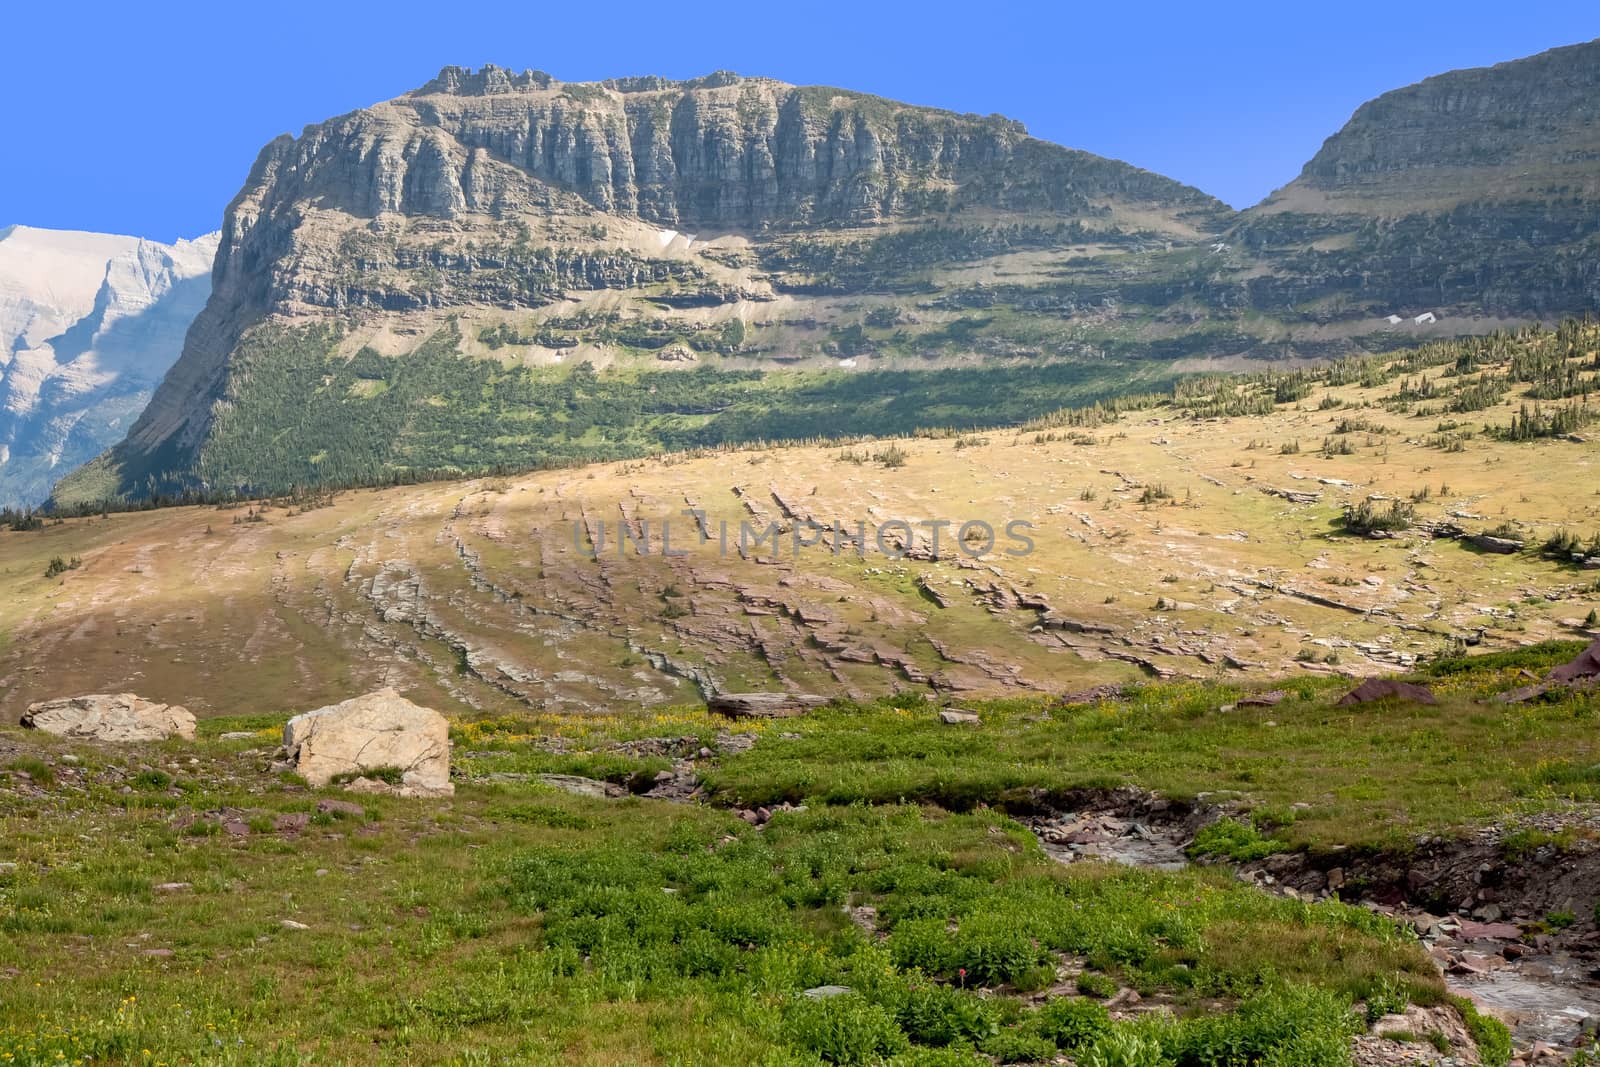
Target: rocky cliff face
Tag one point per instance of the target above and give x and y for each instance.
(487, 196)
(89, 324)
(409, 288)
(1475, 191)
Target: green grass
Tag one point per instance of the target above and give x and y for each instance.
(1373, 775)
(568, 930)
(518, 923)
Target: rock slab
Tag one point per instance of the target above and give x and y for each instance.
(762, 705)
(381, 731)
(118, 718)
(1387, 689)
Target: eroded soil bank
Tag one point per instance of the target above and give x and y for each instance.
(1508, 913)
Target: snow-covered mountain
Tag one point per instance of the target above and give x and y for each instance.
(89, 324)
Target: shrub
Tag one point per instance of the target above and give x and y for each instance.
(1364, 518)
(845, 1029)
(923, 944)
(1091, 984)
(938, 1015)
(1072, 1024)
(1284, 1027)
(938, 1057)
(1014, 1046)
(1490, 1035)
(1155, 493)
(1233, 840)
(1124, 1048)
(892, 457)
(995, 948)
(152, 780)
(59, 566)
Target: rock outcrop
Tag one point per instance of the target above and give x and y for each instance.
(371, 266)
(1374, 689)
(89, 324)
(762, 705)
(380, 742)
(119, 718)
(1475, 191)
(493, 190)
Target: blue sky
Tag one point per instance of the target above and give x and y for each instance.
(144, 118)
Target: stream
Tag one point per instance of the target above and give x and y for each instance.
(1543, 997)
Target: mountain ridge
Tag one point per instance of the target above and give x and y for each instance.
(511, 226)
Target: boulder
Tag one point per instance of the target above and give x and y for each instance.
(378, 732)
(762, 705)
(959, 718)
(1503, 546)
(1387, 689)
(1586, 666)
(1582, 671)
(583, 787)
(120, 718)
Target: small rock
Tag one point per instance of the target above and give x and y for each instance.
(290, 924)
(825, 992)
(951, 717)
(1125, 998)
(1480, 931)
(583, 787)
(341, 807)
(173, 887)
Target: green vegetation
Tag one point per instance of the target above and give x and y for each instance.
(1366, 517)
(542, 927)
(297, 417)
(58, 566)
(1385, 775)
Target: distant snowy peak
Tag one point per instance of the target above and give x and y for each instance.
(89, 324)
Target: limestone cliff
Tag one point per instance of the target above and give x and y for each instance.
(1477, 191)
(503, 270)
(488, 195)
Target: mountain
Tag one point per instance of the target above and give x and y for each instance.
(1476, 190)
(502, 270)
(89, 324)
(417, 286)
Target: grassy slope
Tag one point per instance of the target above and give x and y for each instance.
(513, 921)
(516, 921)
(164, 600)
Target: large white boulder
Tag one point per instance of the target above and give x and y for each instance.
(378, 732)
(118, 717)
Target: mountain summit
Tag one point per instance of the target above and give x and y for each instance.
(502, 270)
(1476, 190)
(632, 225)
